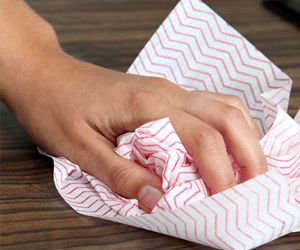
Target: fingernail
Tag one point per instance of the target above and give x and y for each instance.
(149, 196)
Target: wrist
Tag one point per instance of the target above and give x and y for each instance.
(27, 41)
(20, 83)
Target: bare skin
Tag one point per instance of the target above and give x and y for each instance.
(75, 109)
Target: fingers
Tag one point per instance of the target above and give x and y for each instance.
(239, 137)
(202, 141)
(123, 176)
(132, 181)
(228, 115)
(201, 134)
(237, 103)
(205, 125)
(206, 145)
(177, 96)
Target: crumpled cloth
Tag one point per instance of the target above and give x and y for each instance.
(198, 50)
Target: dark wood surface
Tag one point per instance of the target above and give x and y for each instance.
(111, 33)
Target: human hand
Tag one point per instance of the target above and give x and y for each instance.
(77, 110)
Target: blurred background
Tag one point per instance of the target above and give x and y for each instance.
(111, 33)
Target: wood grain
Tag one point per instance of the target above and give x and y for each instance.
(111, 33)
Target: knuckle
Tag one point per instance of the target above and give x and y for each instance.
(119, 177)
(259, 167)
(143, 98)
(121, 88)
(76, 131)
(231, 114)
(160, 81)
(208, 138)
(146, 105)
(196, 93)
(119, 85)
(228, 183)
(262, 168)
(235, 101)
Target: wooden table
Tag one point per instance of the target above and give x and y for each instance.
(111, 33)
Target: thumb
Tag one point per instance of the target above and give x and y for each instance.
(123, 176)
(131, 180)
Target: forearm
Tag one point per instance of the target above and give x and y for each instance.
(27, 42)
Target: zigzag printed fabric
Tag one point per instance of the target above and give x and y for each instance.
(197, 50)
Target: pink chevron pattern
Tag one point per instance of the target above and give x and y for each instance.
(198, 50)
